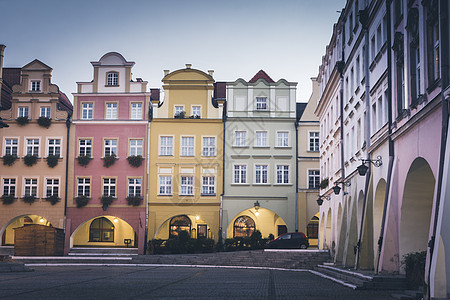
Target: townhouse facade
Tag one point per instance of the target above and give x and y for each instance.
(107, 204)
(260, 155)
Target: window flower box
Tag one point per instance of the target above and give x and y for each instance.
(82, 201)
(83, 160)
(8, 159)
(135, 160)
(30, 160)
(52, 160)
(44, 122)
(134, 200)
(109, 160)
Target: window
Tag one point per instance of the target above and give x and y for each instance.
(433, 42)
(240, 174)
(113, 79)
(187, 185)
(166, 145)
(85, 147)
(87, 111)
(101, 230)
(33, 147)
(54, 147)
(240, 138)
(313, 179)
(11, 146)
(45, 112)
(314, 141)
(372, 48)
(357, 66)
(111, 111)
(187, 146)
(30, 187)
(244, 226)
(136, 111)
(209, 146)
(261, 139)
(9, 186)
(179, 110)
(282, 139)
(134, 186)
(196, 111)
(261, 174)
(261, 103)
(136, 147)
(84, 187)
(110, 147)
(23, 111)
(379, 38)
(398, 11)
(52, 187)
(282, 174)
(208, 187)
(35, 85)
(313, 228)
(165, 185)
(109, 187)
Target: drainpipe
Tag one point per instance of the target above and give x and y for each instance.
(444, 66)
(224, 119)
(390, 141)
(364, 19)
(296, 175)
(68, 123)
(147, 183)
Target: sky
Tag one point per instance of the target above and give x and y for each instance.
(235, 38)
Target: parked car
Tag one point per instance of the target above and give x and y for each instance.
(290, 240)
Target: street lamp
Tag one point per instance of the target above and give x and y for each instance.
(321, 198)
(257, 206)
(337, 188)
(362, 169)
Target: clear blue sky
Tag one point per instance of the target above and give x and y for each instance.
(235, 38)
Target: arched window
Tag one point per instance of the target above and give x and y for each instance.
(243, 226)
(112, 79)
(101, 230)
(178, 224)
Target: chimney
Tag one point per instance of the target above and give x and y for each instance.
(166, 72)
(2, 48)
(188, 66)
(211, 72)
(139, 79)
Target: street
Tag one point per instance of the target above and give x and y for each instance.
(91, 282)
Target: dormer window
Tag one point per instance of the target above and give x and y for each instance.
(112, 79)
(261, 103)
(35, 85)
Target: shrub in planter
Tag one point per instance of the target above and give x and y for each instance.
(109, 160)
(157, 246)
(8, 199)
(106, 201)
(53, 199)
(414, 264)
(135, 160)
(83, 160)
(180, 115)
(22, 120)
(52, 160)
(134, 200)
(324, 183)
(29, 199)
(44, 122)
(82, 201)
(8, 159)
(30, 159)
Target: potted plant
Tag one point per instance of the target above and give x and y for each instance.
(414, 264)
(82, 201)
(180, 115)
(53, 199)
(106, 201)
(135, 160)
(83, 160)
(109, 160)
(52, 160)
(44, 122)
(8, 199)
(324, 183)
(134, 200)
(30, 159)
(22, 120)
(29, 199)
(8, 159)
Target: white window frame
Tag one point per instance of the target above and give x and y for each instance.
(45, 112)
(281, 176)
(261, 138)
(111, 110)
(134, 186)
(209, 146)
(283, 139)
(110, 184)
(33, 147)
(85, 146)
(314, 141)
(52, 145)
(196, 110)
(313, 177)
(136, 111)
(178, 109)
(10, 146)
(240, 174)
(208, 185)
(35, 86)
(23, 111)
(166, 145)
(261, 105)
(261, 174)
(240, 138)
(187, 146)
(135, 147)
(112, 78)
(186, 185)
(87, 110)
(85, 184)
(111, 144)
(10, 185)
(165, 185)
(52, 185)
(32, 186)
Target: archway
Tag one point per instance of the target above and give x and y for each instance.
(312, 230)
(322, 232)
(7, 232)
(416, 207)
(195, 225)
(328, 230)
(378, 207)
(178, 224)
(104, 231)
(360, 210)
(339, 223)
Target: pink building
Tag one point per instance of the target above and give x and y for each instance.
(108, 182)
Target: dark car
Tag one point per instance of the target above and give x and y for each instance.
(291, 240)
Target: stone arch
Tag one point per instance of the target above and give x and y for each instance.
(378, 208)
(322, 231)
(328, 227)
(360, 206)
(7, 232)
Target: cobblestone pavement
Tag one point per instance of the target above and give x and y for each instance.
(88, 282)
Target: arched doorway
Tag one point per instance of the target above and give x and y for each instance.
(328, 230)
(322, 232)
(312, 230)
(101, 230)
(194, 225)
(243, 226)
(178, 224)
(339, 223)
(7, 232)
(265, 220)
(416, 207)
(378, 207)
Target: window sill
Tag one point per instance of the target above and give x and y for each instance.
(166, 155)
(261, 147)
(283, 147)
(110, 85)
(234, 146)
(262, 184)
(186, 195)
(241, 184)
(208, 195)
(313, 151)
(283, 184)
(164, 195)
(208, 156)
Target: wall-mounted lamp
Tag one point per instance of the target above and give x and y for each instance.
(41, 220)
(257, 206)
(362, 169)
(337, 188)
(321, 198)
(197, 218)
(116, 220)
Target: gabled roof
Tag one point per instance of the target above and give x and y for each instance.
(36, 65)
(11, 76)
(154, 94)
(300, 109)
(65, 103)
(261, 75)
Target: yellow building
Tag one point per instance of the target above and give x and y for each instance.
(186, 152)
